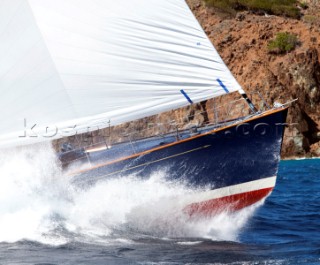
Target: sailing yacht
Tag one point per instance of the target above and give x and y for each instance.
(70, 67)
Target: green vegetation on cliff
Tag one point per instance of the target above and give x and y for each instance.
(277, 7)
(284, 42)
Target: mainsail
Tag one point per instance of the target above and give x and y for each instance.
(68, 66)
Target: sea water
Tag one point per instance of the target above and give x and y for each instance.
(46, 219)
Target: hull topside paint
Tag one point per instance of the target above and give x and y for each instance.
(228, 156)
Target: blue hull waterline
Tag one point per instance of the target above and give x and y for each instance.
(238, 161)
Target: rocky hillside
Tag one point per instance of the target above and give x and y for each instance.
(242, 41)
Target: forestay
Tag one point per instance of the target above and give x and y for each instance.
(73, 65)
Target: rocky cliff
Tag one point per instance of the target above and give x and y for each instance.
(242, 40)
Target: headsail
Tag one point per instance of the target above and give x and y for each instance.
(70, 65)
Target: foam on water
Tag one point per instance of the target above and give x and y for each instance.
(38, 202)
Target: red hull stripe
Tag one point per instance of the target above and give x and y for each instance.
(227, 204)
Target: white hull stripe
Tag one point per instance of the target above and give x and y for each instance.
(259, 184)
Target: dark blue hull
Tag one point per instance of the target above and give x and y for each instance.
(231, 155)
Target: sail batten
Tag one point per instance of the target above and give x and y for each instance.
(83, 63)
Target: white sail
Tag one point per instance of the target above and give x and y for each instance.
(79, 64)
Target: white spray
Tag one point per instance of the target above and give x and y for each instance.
(38, 202)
